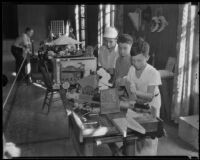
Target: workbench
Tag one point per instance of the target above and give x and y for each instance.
(84, 139)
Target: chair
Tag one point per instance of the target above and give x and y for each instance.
(50, 91)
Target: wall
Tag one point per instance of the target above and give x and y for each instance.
(92, 24)
(9, 21)
(163, 44)
(39, 16)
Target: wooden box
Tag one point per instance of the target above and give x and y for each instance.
(189, 130)
(109, 101)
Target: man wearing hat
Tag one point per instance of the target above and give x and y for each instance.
(108, 53)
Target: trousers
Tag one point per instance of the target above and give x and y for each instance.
(18, 55)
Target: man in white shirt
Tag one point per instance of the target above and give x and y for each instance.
(21, 46)
(108, 53)
(144, 80)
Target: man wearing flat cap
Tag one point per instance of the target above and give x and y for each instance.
(108, 52)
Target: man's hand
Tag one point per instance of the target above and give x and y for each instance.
(153, 111)
(120, 82)
(110, 71)
(133, 88)
(140, 101)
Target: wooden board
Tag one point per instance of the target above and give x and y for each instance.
(192, 120)
(134, 125)
(121, 124)
(109, 101)
(149, 123)
(189, 130)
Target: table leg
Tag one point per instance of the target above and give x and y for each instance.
(88, 148)
(114, 149)
(82, 149)
(76, 144)
(129, 148)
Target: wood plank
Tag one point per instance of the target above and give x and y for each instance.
(126, 122)
(95, 132)
(134, 125)
(83, 148)
(132, 114)
(113, 139)
(192, 120)
(88, 148)
(106, 140)
(75, 142)
(185, 129)
(121, 124)
(79, 123)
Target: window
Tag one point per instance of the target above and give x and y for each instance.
(80, 23)
(105, 19)
(57, 27)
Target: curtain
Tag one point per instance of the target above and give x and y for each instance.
(186, 83)
(106, 18)
(80, 24)
(119, 18)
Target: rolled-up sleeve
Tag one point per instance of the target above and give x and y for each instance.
(154, 78)
(129, 75)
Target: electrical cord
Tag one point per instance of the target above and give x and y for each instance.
(14, 82)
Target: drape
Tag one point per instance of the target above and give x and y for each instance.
(185, 94)
(106, 18)
(119, 18)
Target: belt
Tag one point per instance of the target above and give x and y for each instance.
(156, 94)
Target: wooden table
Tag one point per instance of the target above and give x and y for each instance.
(84, 140)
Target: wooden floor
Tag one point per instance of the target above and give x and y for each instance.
(38, 134)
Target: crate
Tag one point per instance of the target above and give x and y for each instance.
(189, 130)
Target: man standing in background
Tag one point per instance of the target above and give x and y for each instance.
(22, 46)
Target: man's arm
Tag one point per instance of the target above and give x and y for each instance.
(145, 97)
